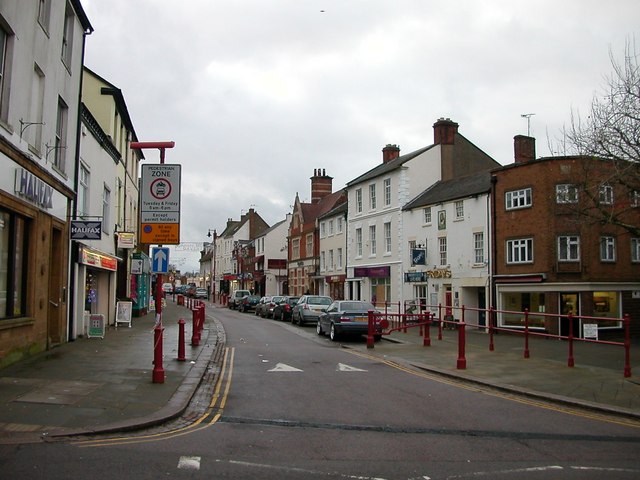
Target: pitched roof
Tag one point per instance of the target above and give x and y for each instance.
(341, 207)
(389, 166)
(447, 190)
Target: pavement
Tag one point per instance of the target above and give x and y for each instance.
(101, 385)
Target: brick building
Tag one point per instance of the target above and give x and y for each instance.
(551, 254)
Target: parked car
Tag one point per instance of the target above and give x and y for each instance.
(346, 317)
(282, 311)
(308, 308)
(200, 293)
(236, 297)
(167, 288)
(275, 300)
(262, 306)
(190, 291)
(248, 302)
(181, 289)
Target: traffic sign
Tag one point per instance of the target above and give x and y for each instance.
(160, 259)
(160, 204)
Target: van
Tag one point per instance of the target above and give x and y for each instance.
(236, 297)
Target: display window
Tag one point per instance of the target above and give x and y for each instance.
(14, 253)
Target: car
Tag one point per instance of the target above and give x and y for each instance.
(236, 297)
(248, 302)
(200, 293)
(180, 289)
(190, 291)
(167, 287)
(282, 311)
(344, 317)
(268, 312)
(308, 308)
(262, 306)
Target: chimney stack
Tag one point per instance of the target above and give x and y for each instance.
(444, 131)
(390, 152)
(321, 185)
(524, 148)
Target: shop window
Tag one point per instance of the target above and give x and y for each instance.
(606, 304)
(380, 290)
(13, 265)
(515, 303)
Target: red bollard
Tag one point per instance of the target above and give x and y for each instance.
(158, 370)
(370, 338)
(570, 360)
(201, 315)
(181, 356)
(426, 340)
(195, 331)
(627, 345)
(526, 333)
(462, 361)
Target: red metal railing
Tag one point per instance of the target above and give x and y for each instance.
(385, 323)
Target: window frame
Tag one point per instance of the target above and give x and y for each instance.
(568, 248)
(427, 215)
(459, 208)
(387, 192)
(519, 246)
(478, 248)
(635, 250)
(605, 194)
(607, 249)
(372, 196)
(442, 251)
(358, 200)
(358, 239)
(372, 240)
(387, 238)
(517, 199)
(84, 190)
(566, 193)
(106, 209)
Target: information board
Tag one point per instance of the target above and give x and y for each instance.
(96, 326)
(123, 313)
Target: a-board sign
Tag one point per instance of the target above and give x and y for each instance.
(590, 330)
(123, 313)
(96, 325)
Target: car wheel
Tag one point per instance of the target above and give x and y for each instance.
(282, 316)
(333, 334)
(319, 329)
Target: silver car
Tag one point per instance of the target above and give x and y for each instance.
(309, 308)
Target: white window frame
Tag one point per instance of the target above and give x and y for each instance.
(67, 36)
(323, 229)
(442, 250)
(566, 193)
(295, 248)
(387, 191)
(372, 240)
(59, 147)
(330, 265)
(459, 207)
(358, 242)
(515, 199)
(339, 226)
(339, 259)
(568, 248)
(372, 196)
(106, 209)
(387, 237)
(478, 248)
(607, 249)
(635, 250)
(84, 183)
(426, 214)
(519, 251)
(605, 195)
(358, 200)
(309, 241)
(331, 227)
(322, 264)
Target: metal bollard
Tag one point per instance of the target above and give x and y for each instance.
(158, 370)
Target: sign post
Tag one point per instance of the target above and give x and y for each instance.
(160, 194)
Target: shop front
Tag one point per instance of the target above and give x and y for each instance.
(96, 274)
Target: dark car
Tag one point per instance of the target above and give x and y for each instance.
(346, 317)
(270, 307)
(248, 302)
(309, 308)
(282, 311)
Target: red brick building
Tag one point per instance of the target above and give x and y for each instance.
(553, 253)
(304, 234)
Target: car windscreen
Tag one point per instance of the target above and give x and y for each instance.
(356, 306)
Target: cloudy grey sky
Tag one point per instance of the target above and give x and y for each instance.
(258, 93)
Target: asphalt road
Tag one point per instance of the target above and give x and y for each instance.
(285, 403)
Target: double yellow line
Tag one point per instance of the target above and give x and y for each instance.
(211, 415)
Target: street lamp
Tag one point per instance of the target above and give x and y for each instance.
(212, 267)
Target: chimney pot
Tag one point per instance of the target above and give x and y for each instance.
(390, 152)
(444, 131)
(321, 186)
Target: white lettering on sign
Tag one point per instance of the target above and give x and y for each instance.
(29, 186)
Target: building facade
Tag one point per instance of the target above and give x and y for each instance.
(333, 250)
(271, 259)
(41, 57)
(549, 256)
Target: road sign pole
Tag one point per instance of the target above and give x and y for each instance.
(158, 369)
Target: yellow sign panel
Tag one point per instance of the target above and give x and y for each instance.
(160, 233)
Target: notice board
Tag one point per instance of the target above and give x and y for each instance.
(123, 313)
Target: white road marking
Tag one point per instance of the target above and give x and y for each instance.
(342, 367)
(283, 367)
(189, 463)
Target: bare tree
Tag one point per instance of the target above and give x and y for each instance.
(608, 140)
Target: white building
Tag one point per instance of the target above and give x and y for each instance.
(333, 251)
(41, 57)
(378, 246)
(271, 259)
(448, 235)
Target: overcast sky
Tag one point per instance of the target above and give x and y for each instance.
(258, 93)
